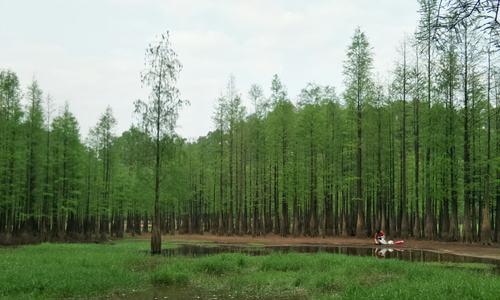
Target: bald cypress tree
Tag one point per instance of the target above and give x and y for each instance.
(160, 113)
(256, 147)
(425, 35)
(357, 72)
(485, 235)
(34, 147)
(279, 133)
(66, 153)
(467, 236)
(448, 83)
(233, 116)
(10, 161)
(400, 89)
(417, 94)
(104, 137)
(221, 129)
(497, 151)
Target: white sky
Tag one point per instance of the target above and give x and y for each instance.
(90, 53)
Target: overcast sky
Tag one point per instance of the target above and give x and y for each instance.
(91, 53)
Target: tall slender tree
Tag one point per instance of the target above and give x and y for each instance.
(417, 96)
(34, 156)
(497, 151)
(357, 72)
(426, 32)
(105, 138)
(485, 235)
(467, 159)
(234, 116)
(400, 86)
(221, 124)
(448, 84)
(160, 114)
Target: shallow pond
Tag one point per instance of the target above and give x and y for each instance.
(402, 253)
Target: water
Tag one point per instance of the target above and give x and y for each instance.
(406, 254)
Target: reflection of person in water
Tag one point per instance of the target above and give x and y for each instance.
(380, 252)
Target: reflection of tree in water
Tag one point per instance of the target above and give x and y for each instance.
(400, 253)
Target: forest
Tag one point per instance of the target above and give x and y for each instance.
(417, 155)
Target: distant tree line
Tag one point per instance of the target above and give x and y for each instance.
(416, 156)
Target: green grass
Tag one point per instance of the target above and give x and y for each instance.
(66, 270)
(326, 276)
(92, 270)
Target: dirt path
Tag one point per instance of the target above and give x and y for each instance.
(474, 250)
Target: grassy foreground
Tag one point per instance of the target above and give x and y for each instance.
(93, 270)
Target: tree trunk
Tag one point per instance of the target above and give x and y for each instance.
(417, 233)
(156, 230)
(360, 220)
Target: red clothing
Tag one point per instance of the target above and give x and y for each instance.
(380, 238)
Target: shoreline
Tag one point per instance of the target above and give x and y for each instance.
(457, 248)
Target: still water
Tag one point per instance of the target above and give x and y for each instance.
(402, 253)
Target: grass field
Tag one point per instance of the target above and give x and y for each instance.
(98, 270)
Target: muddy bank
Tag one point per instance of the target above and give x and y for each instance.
(457, 248)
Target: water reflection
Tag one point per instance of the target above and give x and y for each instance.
(406, 254)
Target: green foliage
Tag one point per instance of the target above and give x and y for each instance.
(282, 263)
(170, 275)
(69, 270)
(378, 156)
